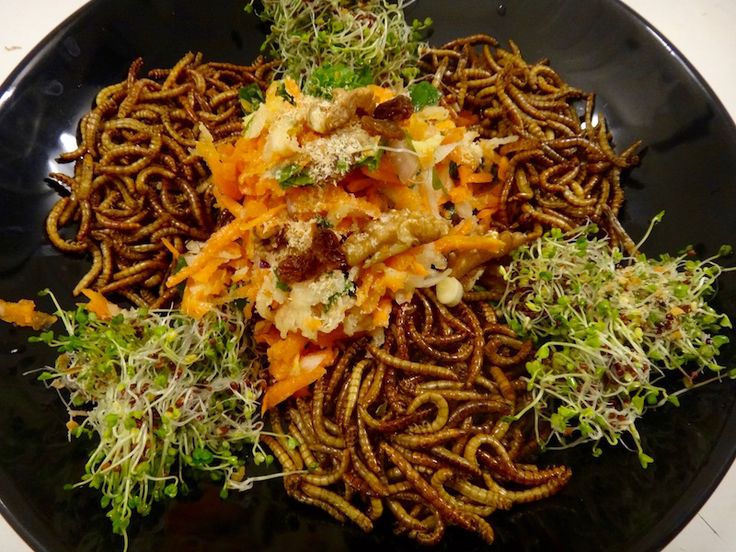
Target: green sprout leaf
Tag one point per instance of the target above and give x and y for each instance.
(423, 94)
(328, 77)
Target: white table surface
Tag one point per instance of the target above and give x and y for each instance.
(703, 30)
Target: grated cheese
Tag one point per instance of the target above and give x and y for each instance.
(330, 156)
(299, 235)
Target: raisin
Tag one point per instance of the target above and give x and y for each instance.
(297, 268)
(387, 129)
(326, 247)
(395, 109)
(324, 255)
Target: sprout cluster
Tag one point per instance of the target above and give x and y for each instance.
(162, 393)
(608, 328)
(352, 42)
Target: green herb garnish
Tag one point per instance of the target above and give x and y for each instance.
(251, 96)
(349, 289)
(323, 222)
(282, 92)
(280, 284)
(371, 161)
(326, 78)
(436, 180)
(423, 94)
(293, 175)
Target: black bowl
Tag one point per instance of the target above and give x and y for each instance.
(646, 91)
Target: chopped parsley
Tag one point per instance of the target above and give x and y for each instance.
(371, 161)
(423, 94)
(251, 96)
(323, 223)
(293, 175)
(436, 180)
(282, 92)
(280, 284)
(349, 289)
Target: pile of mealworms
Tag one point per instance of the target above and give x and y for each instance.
(138, 193)
(562, 170)
(421, 427)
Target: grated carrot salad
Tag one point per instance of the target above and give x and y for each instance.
(403, 210)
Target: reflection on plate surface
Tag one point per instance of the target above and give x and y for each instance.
(645, 90)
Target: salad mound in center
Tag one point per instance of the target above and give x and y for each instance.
(339, 207)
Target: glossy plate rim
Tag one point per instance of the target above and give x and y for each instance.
(709, 476)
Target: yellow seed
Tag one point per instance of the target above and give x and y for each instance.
(449, 291)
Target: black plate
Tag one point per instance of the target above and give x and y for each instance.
(646, 90)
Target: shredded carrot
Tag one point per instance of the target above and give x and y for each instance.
(466, 176)
(385, 173)
(214, 244)
(374, 285)
(282, 390)
(356, 185)
(293, 366)
(24, 313)
(284, 355)
(407, 262)
(195, 302)
(466, 118)
(383, 312)
(226, 201)
(460, 193)
(404, 197)
(218, 241)
(223, 172)
(173, 250)
(264, 332)
(293, 88)
(313, 323)
(454, 135)
(330, 340)
(462, 229)
(480, 178)
(381, 94)
(485, 213)
(417, 129)
(447, 125)
(250, 289)
(99, 305)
